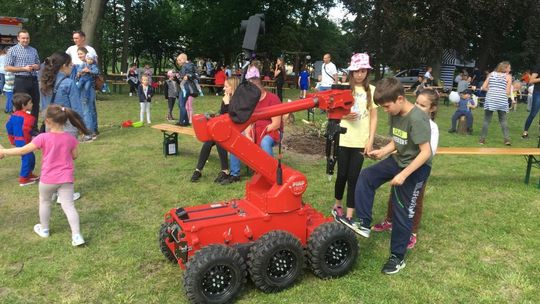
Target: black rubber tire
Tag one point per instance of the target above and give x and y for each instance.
(211, 263)
(275, 261)
(332, 250)
(163, 246)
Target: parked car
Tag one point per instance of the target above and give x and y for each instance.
(409, 76)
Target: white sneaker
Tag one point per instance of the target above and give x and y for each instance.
(130, 94)
(44, 233)
(76, 196)
(77, 240)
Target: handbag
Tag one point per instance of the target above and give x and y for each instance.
(244, 101)
(99, 81)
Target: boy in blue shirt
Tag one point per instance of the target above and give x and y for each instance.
(464, 106)
(407, 170)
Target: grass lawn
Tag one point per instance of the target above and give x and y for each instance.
(478, 241)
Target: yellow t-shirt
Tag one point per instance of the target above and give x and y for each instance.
(358, 129)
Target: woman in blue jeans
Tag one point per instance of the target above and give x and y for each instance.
(535, 106)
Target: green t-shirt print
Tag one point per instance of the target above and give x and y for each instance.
(408, 132)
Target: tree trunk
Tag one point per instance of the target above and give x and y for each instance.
(125, 38)
(93, 9)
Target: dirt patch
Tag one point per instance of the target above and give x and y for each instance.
(304, 142)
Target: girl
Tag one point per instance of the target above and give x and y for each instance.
(303, 81)
(171, 92)
(361, 125)
(59, 150)
(497, 85)
(145, 98)
(229, 87)
(427, 100)
(279, 77)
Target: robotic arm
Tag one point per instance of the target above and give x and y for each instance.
(263, 186)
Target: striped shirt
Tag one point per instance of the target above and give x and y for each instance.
(496, 97)
(19, 56)
(10, 82)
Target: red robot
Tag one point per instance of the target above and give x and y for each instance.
(271, 232)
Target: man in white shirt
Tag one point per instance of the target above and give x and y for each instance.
(79, 38)
(328, 75)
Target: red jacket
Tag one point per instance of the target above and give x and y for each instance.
(220, 78)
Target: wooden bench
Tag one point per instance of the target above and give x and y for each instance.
(170, 137)
(530, 155)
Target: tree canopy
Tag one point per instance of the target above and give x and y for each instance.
(395, 33)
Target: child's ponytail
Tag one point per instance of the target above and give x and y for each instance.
(60, 115)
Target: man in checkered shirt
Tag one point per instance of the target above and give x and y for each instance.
(23, 61)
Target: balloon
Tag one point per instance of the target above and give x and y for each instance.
(454, 97)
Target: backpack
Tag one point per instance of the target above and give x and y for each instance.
(244, 101)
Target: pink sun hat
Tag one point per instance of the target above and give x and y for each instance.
(359, 61)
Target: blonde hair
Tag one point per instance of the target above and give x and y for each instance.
(502, 66)
(233, 82)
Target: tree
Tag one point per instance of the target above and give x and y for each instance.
(92, 12)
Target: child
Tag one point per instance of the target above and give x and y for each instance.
(361, 126)
(464, 106)
(407, 170)
(8, 90)
(145, 98)
(19, 127)
(514, 94)
(428, 102)
(171, 92)
(303, 81)
(85, 75)
(59, 150)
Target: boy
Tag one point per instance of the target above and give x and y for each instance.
(19, 127)
(8, 91)
(407, 170)
(464, 106)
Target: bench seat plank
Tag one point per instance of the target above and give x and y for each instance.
(487, 151)
(175, 129)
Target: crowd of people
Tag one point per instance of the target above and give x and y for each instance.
(62, 89)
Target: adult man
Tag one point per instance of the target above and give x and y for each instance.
(23, 61)
(187, 72)
(79, 38)
(264, 132)
(328, 75)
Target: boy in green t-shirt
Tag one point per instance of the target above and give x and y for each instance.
(407, 170)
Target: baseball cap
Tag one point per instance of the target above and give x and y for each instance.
(359, 61)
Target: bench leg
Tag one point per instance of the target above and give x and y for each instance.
(529, 166)
(170, 143)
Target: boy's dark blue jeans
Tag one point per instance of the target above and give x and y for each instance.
(403, 199)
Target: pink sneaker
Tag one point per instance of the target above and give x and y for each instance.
(337, 212)
(412, 241)
(382, 226)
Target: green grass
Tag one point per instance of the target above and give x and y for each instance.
(478, 241)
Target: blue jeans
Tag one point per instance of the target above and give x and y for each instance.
(403, 199)
(183, 117)
(89, 109)
(535, 108)
(9, 101)
(267, 144)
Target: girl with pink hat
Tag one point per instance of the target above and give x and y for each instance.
(361, 125)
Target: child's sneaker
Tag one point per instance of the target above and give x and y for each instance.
(44, 233)
(393, 265)
(412, 241)
(356, 226)
(77, 240)
(196, 176)
(76, 196)
(25, 181)
(31, 176)
(382, 226)
(337, 212)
